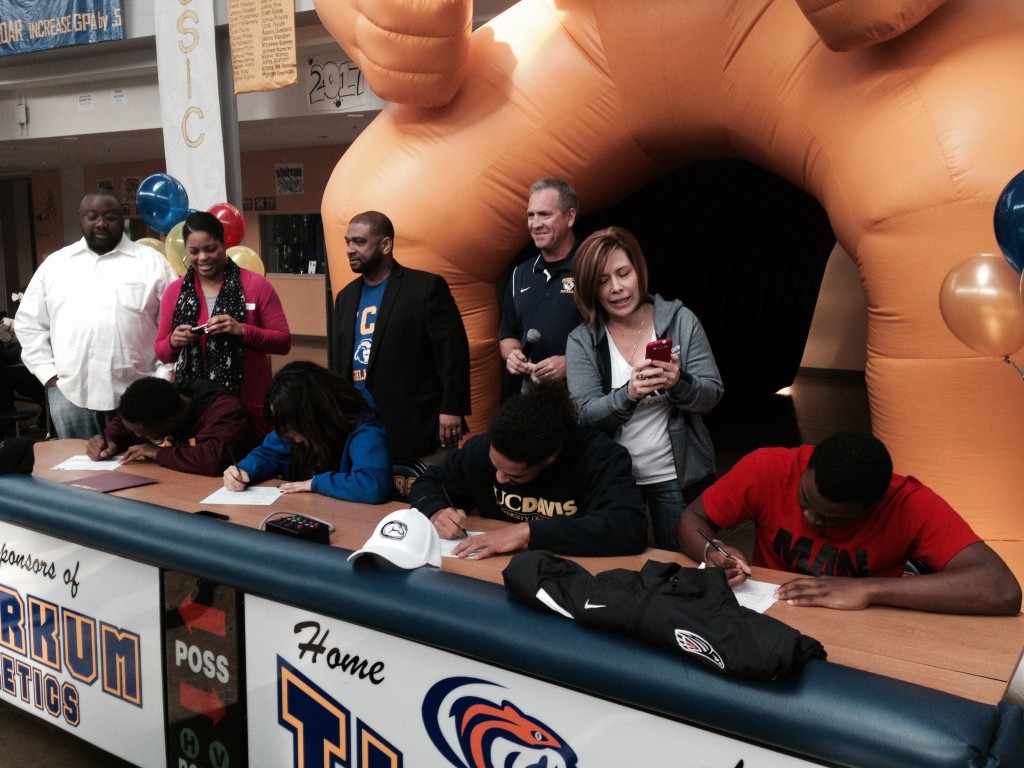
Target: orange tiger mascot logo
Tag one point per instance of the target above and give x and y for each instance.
(472, 731)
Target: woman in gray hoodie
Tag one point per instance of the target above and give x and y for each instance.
(652, 407)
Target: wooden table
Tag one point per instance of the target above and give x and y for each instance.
(969, 656)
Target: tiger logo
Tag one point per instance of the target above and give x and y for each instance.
(471, 730)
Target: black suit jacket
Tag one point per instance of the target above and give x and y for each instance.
(419, 361)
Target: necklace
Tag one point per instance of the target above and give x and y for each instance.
(643, 318)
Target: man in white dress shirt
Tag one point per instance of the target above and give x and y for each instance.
(88, 319)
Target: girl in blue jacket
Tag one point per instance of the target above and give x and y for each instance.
(326, 439)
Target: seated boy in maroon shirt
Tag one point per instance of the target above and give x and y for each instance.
(195, 426)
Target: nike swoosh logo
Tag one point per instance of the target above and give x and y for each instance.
(524, 290)
(587, 606)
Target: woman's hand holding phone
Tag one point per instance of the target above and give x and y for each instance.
(183, 335)
(660, 370)
(660, 349)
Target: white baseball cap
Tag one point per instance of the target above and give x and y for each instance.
(406, 538)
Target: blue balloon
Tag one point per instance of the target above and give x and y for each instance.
(1009, 222)
(162, 202)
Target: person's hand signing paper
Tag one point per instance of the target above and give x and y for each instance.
(99, 448)
(508, 539)
(236, 479)
(737, 569)
(450, 523)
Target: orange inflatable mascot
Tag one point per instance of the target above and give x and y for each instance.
(902, 117)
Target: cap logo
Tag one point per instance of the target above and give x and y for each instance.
(405, 538)
(394, 529)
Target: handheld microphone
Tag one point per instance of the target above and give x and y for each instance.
(532, 337)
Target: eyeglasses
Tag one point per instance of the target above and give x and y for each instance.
(110, 217)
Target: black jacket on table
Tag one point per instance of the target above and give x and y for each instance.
(688, 610)
(584, 504)
(419, 361)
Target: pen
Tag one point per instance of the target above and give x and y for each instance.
(449, 500)
(238, 472)
(713, 543)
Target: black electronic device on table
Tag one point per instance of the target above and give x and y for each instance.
(299, 527)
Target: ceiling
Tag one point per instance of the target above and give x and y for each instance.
(18, 158)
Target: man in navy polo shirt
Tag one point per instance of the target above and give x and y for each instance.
(541, 293)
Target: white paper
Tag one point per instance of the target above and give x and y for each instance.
(82, 461)
(253, 496)
(447, 545)
(756, 595)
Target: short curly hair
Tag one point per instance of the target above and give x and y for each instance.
(851, 466)
(534, 425)
(148, 401)
(378, 223)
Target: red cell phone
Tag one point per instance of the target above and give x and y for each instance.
(659, 350)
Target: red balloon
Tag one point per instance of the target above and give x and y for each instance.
(233, 221)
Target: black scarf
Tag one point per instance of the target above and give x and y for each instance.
(223, 363)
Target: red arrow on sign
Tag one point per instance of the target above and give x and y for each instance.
(202, 617)
(201, 702)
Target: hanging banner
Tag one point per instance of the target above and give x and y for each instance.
(186, 55)
(37, 25)
(262, 44)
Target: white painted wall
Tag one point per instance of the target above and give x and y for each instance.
(58, 109)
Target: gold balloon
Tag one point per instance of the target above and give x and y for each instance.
(981, 304)
(246, 258)
(152, 242)
(174, 249)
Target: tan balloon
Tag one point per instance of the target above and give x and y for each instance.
(981, 304)
(174, 249)
(246, 258)
(152, 242)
